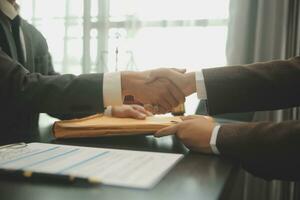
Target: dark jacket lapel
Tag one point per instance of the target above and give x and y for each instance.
(8, 35)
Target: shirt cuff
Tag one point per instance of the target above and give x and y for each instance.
(108, 111)
(112, 90)
(213, 139)
(200, 85)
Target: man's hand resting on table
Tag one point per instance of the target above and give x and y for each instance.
(130, 111)
(194, 132)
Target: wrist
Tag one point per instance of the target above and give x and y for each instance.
(190, 83)
(127, 82)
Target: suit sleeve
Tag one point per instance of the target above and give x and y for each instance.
(72, 114)
(255, 87)
(43, 51)
(268, 150)
(57, 94)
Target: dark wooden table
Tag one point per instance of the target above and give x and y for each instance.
(197, 176)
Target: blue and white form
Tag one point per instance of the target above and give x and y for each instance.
(109, 166)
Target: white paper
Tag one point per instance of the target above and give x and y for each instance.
(137, 169)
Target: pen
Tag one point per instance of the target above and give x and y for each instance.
(62, 178)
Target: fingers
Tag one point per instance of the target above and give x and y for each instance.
(163, 105)
(149, 108)
(155, 74)
(136, 114)
(176, 93)
(168, 102)
(154, 109)
(160, 95)
(182, 71)
(190, 117)
(172, 99)
(168, 73)
(171, 130)
(150, 79)
(174, 96)
(126, 111)
(142, 110)
(168, 96)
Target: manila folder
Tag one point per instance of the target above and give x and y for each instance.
(99, 125)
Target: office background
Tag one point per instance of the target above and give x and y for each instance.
(83, 35)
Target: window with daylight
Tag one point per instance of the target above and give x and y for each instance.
(108, 35)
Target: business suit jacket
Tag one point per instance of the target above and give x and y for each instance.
(26, 91)
(270, 150)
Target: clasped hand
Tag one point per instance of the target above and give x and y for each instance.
(164, 88)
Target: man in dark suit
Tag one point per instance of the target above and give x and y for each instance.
(266, 149)
(29, 85)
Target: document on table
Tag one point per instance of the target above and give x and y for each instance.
(137, 169)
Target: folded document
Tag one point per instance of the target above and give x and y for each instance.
(99, 125)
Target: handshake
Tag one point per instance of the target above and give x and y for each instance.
(161, 89)
(164, 89)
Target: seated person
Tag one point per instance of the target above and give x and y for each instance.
(266, 149)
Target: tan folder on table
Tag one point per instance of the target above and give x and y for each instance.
(99, 125)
